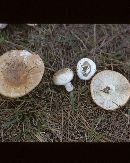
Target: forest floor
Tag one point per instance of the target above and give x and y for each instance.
(49, 113)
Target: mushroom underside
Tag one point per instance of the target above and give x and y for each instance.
(110, 90)
(86, 68)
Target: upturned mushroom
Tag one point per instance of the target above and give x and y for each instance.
(110, 89)
(2, 26)
(20, 72)
(86, 68)
(64, 77)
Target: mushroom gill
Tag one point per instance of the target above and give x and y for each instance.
(86, 68)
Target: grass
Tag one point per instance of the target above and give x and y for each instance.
(49, 113)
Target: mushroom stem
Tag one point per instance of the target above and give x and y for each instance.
(69, 87)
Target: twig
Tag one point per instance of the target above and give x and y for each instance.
(38, 137)
(2, 134)
(62, 124)
(79, 39)
(111, 38)
(94, 30)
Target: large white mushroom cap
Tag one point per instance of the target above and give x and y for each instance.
(86, 68)
(110, 89)
(20, 72)
(2, 26)
(64, 77)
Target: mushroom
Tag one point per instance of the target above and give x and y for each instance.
(86, 68)
(32, 25)
(2, 26)
(20, 72)
(110, 89)
(64, 77)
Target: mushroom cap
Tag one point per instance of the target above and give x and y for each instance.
(86, 68)
(2, 26)
(110, 89)
(63, 76)
(20, 72)
(32, 25)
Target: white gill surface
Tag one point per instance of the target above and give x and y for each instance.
(89, 72)
(119, 89)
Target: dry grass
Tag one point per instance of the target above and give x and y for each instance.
(49, 113)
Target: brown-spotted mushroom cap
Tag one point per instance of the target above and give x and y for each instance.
(20, 72)
(110, 89)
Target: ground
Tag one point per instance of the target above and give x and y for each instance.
(49, 113)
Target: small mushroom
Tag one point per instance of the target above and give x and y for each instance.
(64, 77)
(86, 68)
(32, 25)
(2, 26)
(20, 72)
(110, 89)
